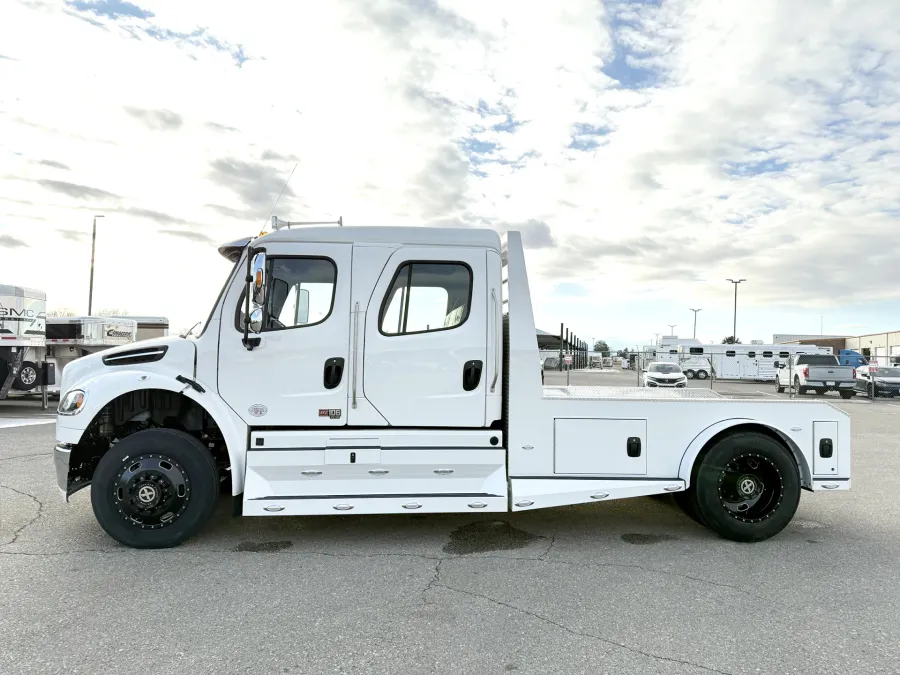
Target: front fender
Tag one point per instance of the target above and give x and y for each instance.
(696, 447)
(107, 386)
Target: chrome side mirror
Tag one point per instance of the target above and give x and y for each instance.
(256, 320)
(259, 279)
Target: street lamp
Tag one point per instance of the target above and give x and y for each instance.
(671, 328)
(93, 248)
(734, 329)
(695, 321)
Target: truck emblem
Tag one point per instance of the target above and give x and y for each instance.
(330, 413)
(257, 410)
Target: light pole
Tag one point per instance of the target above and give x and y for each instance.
(695, 321)
(93, 248)
(671, 328)
(734, 329)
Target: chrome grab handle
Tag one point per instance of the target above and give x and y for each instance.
(355, 350)
(311, 473)
(497, 340)
(379, 472)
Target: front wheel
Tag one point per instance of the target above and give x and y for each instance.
(155, 488)
(748, 487)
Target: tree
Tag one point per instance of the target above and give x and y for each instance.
(622, 353)
(731, 340)
(601, 346)
(62, 311)
(112, 312)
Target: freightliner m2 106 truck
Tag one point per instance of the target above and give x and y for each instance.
(371, 370)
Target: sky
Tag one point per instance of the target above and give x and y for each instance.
(648, 151)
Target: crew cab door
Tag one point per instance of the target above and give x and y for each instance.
(424, 353)
(298, 373)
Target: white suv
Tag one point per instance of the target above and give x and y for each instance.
(664, 374)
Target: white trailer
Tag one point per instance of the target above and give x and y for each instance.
(72, 337)
(23, 315)
(754, 362)
(409, 385)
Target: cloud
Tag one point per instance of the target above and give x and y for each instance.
(111, 9)
(53, 164)
(269, 155)
(215, 126)
(7, 58)
(257, 185)
(155, 216)
(73, 235)
(75, 190)
(189, 235)
(159, 120)
(9, 241)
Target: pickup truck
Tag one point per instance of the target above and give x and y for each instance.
(382, 370)
(819, 372)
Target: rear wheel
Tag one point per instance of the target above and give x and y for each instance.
(821, 392)
(797, 388)
(687, 502)
(748, 487)
(155, 489)
(689, 374)
(847, 394)
(27, 377)
(702, 374)
(778, 388)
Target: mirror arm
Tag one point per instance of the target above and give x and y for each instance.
(247, 342)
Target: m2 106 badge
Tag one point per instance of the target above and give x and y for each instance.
(330, 413)
(257, 410)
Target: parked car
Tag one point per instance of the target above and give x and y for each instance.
(663, 374)
(819, 372)
(886, 381)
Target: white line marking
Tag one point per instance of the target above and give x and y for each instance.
(23, 422)
(766, 393)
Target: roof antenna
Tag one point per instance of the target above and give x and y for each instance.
(281, 224)
(284, 187)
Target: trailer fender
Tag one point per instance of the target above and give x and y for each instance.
(100, 391)
(703, 439)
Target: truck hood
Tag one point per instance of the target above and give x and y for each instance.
(166, 353)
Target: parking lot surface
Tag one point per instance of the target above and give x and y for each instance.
(630, 586)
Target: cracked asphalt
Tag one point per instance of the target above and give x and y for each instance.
(631, 586)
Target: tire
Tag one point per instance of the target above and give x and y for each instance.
(797, 388)
(702, 374)
(821, 392)
(847, 394)
(28, 377)
(189, 486)
(730, 470)
(778, 388)
(687, 502)
(689, 374)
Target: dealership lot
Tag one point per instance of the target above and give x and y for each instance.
(630, 586)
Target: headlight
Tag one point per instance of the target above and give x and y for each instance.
(72, 402)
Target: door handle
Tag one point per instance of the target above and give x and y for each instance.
(633, 446)
(471, 374)
(334, 372)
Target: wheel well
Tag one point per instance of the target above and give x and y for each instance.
(136, 411)
(753, 428)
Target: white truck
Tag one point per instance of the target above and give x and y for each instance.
(23, 316)
(407, 383)
(817, 372)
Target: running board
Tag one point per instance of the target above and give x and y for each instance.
(368, 504)
(539, 493)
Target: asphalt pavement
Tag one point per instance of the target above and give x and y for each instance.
(629, 586)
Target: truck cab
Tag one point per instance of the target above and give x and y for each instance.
(386, 370)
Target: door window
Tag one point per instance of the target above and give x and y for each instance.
(301, 292)
(426, 297)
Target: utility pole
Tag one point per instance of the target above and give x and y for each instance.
(695, 321)
(734, 329)
(93, 248)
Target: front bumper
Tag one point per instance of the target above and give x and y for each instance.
(679, 385)
(62, 453)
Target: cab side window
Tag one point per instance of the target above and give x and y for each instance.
(426, 297)
(300, 292)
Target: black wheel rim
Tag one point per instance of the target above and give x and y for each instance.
(151, 491)
(750, 488)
